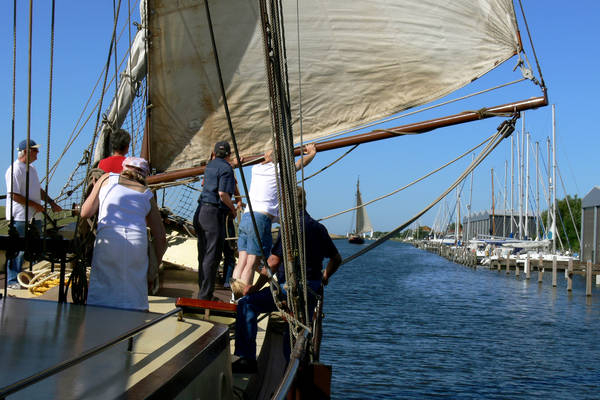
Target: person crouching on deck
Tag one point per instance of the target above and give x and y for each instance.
(257, 301)
(125, 208)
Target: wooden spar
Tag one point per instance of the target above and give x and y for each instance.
(379, 134)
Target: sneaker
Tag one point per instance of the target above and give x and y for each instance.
(233, 300)
(237, 287)
(227, 285)
(244, 366)
(14, 286)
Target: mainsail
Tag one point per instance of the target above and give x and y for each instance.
(356, 61)
(363, 223)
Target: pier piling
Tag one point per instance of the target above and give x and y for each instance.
(554, 269)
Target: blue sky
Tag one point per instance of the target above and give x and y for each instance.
(566, 42)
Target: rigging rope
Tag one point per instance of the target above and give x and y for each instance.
(537, 62)
(230, 126)
(304, 179)
(504, 130)
(412, 183)
(49, 112)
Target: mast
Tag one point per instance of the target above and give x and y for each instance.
(493, 207)
(512, 182)
(554, 178)
(548, 199)
(469, 206)
(505, 190)
(457, 229)
(537, 190)
(526, 221)
(521, 171)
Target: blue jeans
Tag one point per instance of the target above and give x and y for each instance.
(250, 307)
(15, 265)
(247, 240)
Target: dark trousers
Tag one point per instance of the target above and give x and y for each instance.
(228, 250)
(246, 321)
(209, 223)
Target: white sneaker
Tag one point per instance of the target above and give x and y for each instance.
(233, 300)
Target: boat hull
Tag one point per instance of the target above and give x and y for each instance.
(356, 239)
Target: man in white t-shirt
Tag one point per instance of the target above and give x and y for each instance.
(17, 195)
(265, 205)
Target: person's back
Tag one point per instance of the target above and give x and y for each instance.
(112, 164)
(122, 206)
(120, 261)
(263, 190)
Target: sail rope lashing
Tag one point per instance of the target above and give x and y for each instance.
(291, 234)
(504, 130)
(543, 85)
(287, 190)
(420, 110)
(413, 182)
(304, 179)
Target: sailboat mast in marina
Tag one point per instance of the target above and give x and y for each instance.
(362, 223)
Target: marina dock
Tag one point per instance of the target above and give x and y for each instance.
(527, 265)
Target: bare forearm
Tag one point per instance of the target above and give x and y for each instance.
(226, 199)
(21, 200)
(332, 266)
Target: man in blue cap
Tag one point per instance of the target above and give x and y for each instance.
(19, 195)
(209, 220)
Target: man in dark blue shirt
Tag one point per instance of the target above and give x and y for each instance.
(213, 206)
(318, 247)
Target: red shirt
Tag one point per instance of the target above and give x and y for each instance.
(112, 164)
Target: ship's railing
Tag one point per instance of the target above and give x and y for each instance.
(15, 387)
(296, 357)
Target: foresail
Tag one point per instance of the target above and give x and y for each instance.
(360, 61)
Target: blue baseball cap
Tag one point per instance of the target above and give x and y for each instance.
(23, 145)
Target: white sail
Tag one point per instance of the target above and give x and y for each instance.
(359, 60)
(363, 223)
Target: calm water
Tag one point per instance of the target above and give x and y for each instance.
(402, 323)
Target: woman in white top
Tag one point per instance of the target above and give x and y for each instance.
(263, 195)
(125, 208)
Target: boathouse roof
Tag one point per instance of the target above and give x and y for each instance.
(592, 199)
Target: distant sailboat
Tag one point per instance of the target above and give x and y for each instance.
(362, 222)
